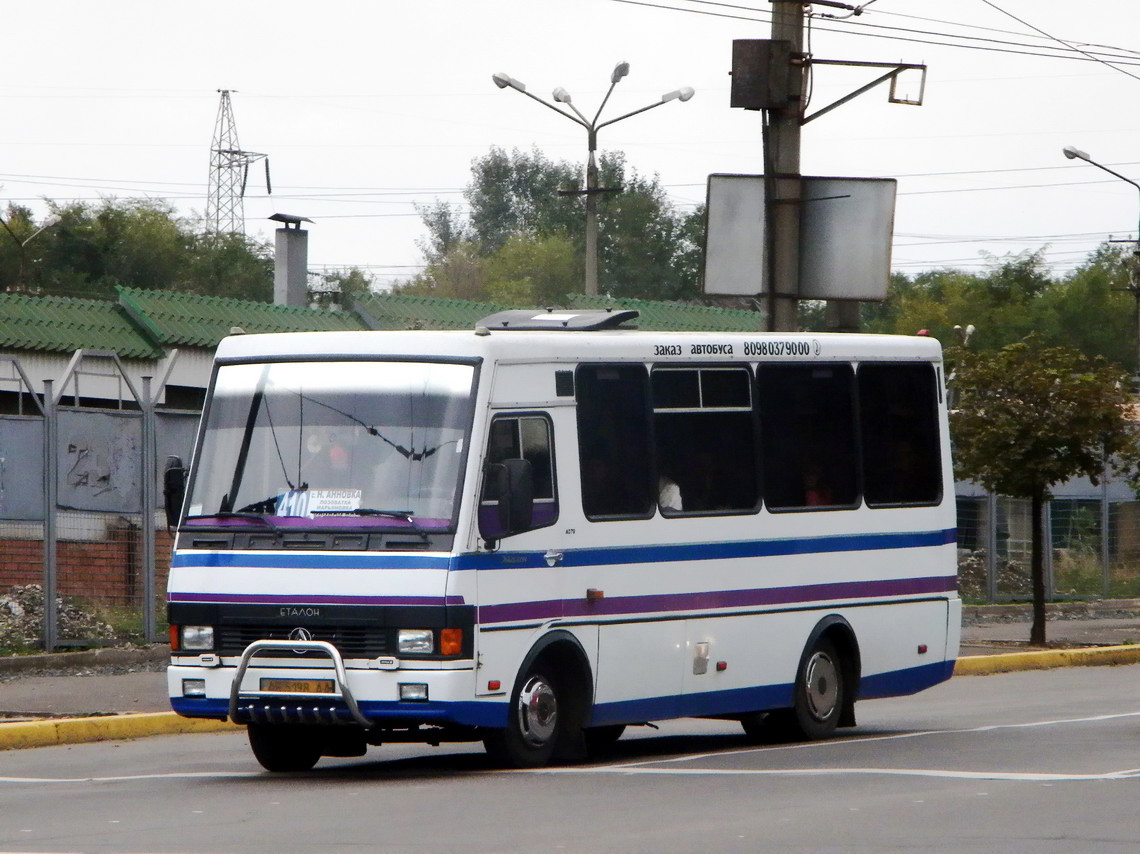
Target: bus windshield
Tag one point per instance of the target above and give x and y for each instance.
(313, 443)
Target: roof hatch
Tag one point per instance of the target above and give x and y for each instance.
(571, 319)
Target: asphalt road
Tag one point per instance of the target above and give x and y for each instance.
(1037, 761)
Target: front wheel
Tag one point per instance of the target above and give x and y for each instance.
(284, 749)
(534, 723)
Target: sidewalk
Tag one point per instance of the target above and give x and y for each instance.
(122, 693)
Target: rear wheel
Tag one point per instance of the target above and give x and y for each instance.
(535, 723)
(820, 693)
(284, 749)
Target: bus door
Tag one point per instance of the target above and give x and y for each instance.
(640, 650)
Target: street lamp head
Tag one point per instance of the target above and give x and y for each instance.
(620, 71)
(504, 80)
(561, 96)
(682, 94)
(51, 221)
(1074, 153)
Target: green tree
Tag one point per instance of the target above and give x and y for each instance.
(1028, 417)
(459, 274)
(227, 265)
(539, 271)
(646, 248)
(136, 243)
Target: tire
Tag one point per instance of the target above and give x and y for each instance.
(284, 749)
(599, 739)
(535, 722)
(757, 726)
(819, 695)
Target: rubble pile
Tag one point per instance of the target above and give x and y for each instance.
(22, 620)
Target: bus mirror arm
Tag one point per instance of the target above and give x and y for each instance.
(513, 482)
(173, 489)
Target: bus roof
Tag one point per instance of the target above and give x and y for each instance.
(578, 346)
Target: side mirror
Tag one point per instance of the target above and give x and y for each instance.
(508, 499)
(173, 489)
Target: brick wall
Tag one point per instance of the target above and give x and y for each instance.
(107, 571)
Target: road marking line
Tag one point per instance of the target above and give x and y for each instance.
(127, 778)
(844, 742)
(1008, 776)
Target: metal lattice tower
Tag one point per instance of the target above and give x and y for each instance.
(229, 169)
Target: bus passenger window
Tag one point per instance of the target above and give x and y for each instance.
(525, 437)
(807, 428)
(614, 441)
(704, 436)
(898, 413)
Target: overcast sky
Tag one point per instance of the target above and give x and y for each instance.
(367, 108)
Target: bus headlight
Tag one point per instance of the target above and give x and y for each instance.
(415, 641)
(197, 637)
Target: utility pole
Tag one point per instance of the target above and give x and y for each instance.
(782, 183)
(770, 75)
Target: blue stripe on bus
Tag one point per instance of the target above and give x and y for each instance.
(465, 713)
(900, 683)
(710, 550)
(304, 560)
(570, 557)
(896, 683)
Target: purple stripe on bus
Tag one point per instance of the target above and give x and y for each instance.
(306, 599)
(713, 600)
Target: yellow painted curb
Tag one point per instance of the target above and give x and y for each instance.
(17, 734)
(984, 665)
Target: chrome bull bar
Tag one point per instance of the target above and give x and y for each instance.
(340, 677)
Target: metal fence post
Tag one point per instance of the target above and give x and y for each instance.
(1105, 524)
(1046, 535)
(51, 536)
(991, 546)
(148, 510)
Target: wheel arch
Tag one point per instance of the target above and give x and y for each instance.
(836, 629)
(564, 653)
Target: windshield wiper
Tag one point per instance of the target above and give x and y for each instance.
(265, 506)
(404, 515)
(238, 514)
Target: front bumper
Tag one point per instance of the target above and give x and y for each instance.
(363, 694)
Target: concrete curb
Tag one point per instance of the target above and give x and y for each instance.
(984, 665)
(20, 734)
(106, 657)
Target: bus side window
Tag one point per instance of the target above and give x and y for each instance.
(898, 413)
(524, 437)
(614, 441)
(807, 430)
(704, 433)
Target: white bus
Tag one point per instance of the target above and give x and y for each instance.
(549, 528)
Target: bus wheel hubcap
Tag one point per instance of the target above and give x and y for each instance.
(822, 681)
(538, 711)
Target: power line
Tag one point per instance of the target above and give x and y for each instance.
(847, 27)
(997, 8)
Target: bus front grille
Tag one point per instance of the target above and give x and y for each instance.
(350, 641)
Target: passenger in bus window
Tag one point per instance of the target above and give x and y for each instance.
(669, 494)
(816, 492)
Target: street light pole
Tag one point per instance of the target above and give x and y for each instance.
(48, 222)
(1074, 153)
(592, 126)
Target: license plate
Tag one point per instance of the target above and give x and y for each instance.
(298, 686)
